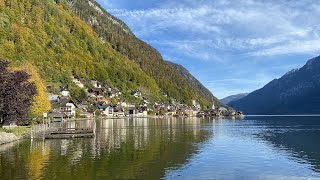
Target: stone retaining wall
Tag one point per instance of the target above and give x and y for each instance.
(7, 137)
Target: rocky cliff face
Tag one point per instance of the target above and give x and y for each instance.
(297, 92)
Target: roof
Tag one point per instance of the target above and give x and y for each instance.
(102, 105)
(55, 114)
(96, 90)
(61, 103)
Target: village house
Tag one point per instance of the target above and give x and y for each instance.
(132, 111)
(118, 111)
(65, 106)
(53, 97)
(106, 110)
(95, 92)
(65, 93)
(69, 109)
(78, 82)
(136, 94)
(55, 116)
(188, 111)
(171, 112)
(86, 114)
(196, 104)
(142, 111)
(122, 103)
(96, 84)
(103, 99)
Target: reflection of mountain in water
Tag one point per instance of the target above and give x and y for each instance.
(298, 136)
(128, 148)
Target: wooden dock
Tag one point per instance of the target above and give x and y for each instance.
(67, 133)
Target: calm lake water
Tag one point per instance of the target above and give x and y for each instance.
(251, 148)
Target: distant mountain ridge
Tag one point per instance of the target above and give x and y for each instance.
(231, 98)
(297, 92)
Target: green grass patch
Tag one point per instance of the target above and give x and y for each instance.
(18, 131)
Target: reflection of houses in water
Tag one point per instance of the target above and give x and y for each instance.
(111, 134)
(117, 131)
(138, 131)
(71, 124)
(64, 146)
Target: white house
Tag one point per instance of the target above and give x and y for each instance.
(77, 82)
(106, 110)
(53, 97)
(136, 94)
(65, 93)
(69, 109)
(196, 104)
(96, 84)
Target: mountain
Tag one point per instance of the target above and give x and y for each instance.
(194, 82)
(112, 30)
(51, 37)
(297, 92)
(70, 37)
(231, 98)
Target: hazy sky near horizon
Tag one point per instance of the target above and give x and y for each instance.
(230, 46)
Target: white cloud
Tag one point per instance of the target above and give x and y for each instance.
(257, 28)
(228, 36)
(302, 47)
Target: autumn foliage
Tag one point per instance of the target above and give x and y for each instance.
(16, 95)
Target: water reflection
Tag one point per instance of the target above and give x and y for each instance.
(298, 136)
(253, 148)
(122, 148)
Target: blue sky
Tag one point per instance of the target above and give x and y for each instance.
(231, 46)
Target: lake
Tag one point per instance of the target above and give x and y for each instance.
(256, 147)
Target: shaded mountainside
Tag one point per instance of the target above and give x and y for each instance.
(231, 98)
(297, 92)
(68, 37)
(203, 91)
(114, 31)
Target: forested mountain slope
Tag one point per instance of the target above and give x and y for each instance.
(54, 39)
(194, 82)
(114, 31)
(68, 37)
(297, 92)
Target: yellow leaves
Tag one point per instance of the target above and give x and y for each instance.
(114, 101)
(2, 4)
(37, 158)
(41, 102)
(7, 49)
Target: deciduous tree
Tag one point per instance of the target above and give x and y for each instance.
(16, 94)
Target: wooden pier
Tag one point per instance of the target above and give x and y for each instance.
(66, 133)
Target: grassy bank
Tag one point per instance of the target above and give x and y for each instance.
(18, 131)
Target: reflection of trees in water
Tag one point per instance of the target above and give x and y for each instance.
(122, 148)
(299, 136)
(24, 160)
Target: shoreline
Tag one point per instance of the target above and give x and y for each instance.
(6, 138)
